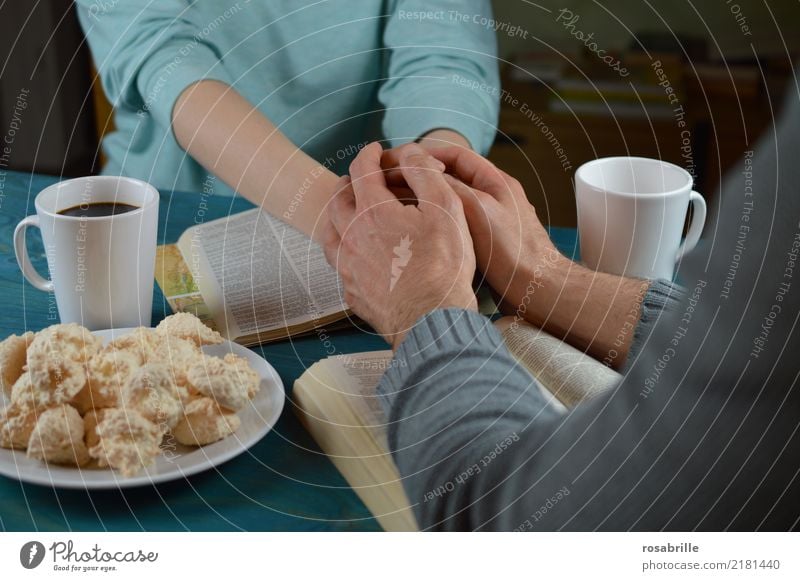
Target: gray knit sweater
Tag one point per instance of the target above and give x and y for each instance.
(703, 432)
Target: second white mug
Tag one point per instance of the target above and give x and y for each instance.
(102, 267)
(631, 213)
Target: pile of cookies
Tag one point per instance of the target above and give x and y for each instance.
(74, 401)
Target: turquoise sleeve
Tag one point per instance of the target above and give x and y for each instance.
(147, 53)
(441, 71)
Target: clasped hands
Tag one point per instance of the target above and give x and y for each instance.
(409, 226)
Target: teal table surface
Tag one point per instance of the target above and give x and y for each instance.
(283, 483)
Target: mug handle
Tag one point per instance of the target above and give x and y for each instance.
(696, 226)
(24, 262)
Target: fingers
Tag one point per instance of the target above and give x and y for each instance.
(342, 207)
(476, 171)
(390, 162)
(474, 201)
(330, 243)
(424, 176)
(369, 183)
(405, 195)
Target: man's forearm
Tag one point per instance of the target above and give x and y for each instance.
(232, 139)
(593, 311)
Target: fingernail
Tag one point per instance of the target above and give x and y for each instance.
(414, 149)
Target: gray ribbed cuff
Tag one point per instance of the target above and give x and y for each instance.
(662, 296)
(434, 335)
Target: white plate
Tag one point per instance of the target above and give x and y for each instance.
(174, 464)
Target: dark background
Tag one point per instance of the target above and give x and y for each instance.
(730, 80)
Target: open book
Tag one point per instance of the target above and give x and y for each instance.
(252, 277)
(336, 400)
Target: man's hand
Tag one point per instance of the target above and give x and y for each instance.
(511, 245)
(398, 262)
(591, 310)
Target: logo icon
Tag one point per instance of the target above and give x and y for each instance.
(402, 254)
(31, 554)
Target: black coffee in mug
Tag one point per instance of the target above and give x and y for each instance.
(98, 209)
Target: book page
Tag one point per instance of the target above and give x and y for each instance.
(335, 399)
(358, 375)
(269, 274)
(178, 286)
(566, 372)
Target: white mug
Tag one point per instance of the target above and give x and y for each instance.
(101, 267)
(631, 212)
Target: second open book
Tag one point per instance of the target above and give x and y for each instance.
(252, 277)
(337, 402)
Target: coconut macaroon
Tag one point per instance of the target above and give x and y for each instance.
(90, 421)
(127, 441)
(13, 357)
(58, 437)
(67, 341)
(244, 373)
(142, 342)
(52, 382)
(178, 355)
(219, 380)
(72, 399)
(151, 391)
(57, 358)
(189, 327)
(204, 422)
(16, 425)
(109, 370)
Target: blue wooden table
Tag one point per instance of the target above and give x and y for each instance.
(283, 483)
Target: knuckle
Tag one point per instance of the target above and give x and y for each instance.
(349, 244)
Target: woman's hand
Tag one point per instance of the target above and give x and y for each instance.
(399, 262)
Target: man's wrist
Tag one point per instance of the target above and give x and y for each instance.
(464, 300)
(538, 283)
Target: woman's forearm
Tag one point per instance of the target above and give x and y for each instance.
(229, 137)
(443, 138)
